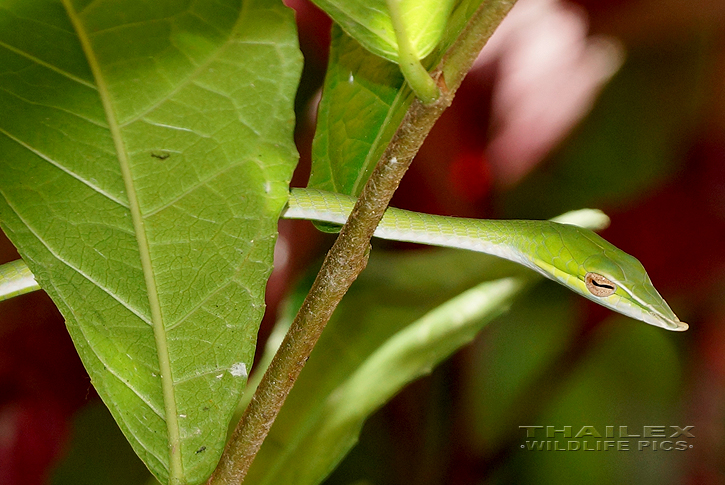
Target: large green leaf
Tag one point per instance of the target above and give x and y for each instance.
(146, 149)
(369, 22)
(364, 101)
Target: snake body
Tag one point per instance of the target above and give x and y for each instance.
(573, 256)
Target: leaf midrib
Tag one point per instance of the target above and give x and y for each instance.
(172, 424)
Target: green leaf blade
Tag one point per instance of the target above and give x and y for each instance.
(146, 203)
(369, 23)
(363, 103)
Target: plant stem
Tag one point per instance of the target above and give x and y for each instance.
(348, 256)
(415, 74)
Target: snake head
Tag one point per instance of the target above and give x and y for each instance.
(603, 273)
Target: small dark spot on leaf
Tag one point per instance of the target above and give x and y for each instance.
(201, 449)
(161, 155)
(205, 408)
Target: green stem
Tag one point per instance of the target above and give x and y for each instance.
(415, 74)
(348, 256)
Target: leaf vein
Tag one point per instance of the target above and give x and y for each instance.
(201, 374)
(199, 184)
(65, 170)
(47, 65)
(176, 467)
(62, 110)
(60, 258)
(191, 78)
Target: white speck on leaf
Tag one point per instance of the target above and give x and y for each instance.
(350, 79)
(238, 370)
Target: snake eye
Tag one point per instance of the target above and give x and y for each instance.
(598, 285)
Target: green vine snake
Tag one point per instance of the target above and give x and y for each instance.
(575, 257)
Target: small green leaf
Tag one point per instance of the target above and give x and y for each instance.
(369, 23)
(362, 105)
(363, 102)
(145, 154)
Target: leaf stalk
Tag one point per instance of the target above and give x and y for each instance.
(415, 74)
